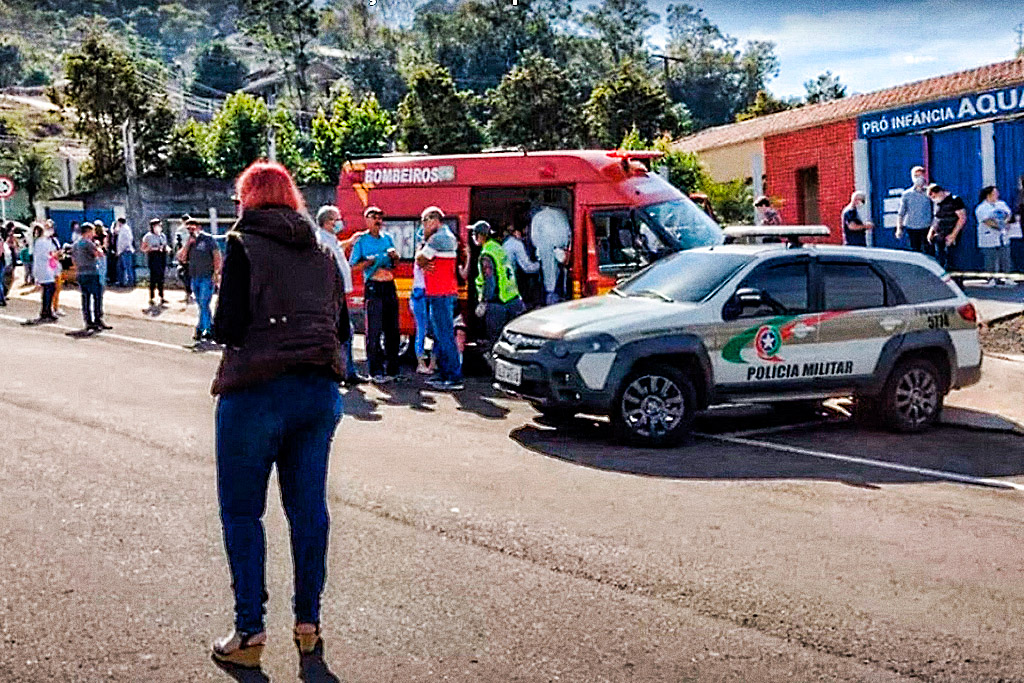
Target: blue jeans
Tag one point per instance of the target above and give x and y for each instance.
(3, 284)
(288, 421)
(418, 306)
(203, 289)
(441, 310)
(92, 298)
(943, 252)
(126, 269)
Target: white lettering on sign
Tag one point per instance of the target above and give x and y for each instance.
(970, 107)
(419, 175)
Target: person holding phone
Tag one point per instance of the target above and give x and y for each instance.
(375, 256)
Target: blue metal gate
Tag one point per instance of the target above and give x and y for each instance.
(1009, 168)
(955, 157)
(62, 219)
(891, 159)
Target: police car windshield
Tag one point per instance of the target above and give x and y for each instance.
(685, 221)
(684, 276)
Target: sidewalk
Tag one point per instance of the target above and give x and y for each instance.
(994, 304)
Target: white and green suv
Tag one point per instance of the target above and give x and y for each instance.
(749, 323)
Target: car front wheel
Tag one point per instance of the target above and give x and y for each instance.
(655, 407)
(912, 399)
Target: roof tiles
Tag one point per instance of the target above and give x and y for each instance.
(939, 87)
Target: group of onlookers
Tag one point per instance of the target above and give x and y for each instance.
(933, 218)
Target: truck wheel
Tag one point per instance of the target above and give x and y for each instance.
(912, 398)
(655, 407)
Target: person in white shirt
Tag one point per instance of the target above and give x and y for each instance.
(526, 268)
(993, 233)
(329, 226)
(125, 254)
(550, 232)
(45, 268)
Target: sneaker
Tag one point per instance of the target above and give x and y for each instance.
(380, 379)
(355, 380)
(240, 649)
(306, 638)
(100, 325)
(58, 314)
(423, 367)
(48, 319)
(397, 378)
(445, 385)
(988, 284)
(1007, 284)
(152, 302)
(163, 303)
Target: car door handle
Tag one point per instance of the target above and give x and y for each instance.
(800, 330)
(890, 324)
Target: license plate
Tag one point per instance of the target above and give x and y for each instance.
(508, 373)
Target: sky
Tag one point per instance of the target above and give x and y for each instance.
(869, 44)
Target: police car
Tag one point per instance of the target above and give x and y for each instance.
(749, 323)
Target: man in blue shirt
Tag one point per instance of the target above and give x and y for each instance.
(375, 256)
(854, 229)
(916, 213)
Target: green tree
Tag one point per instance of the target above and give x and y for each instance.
(34, 171)
(825, 88)
(765, 103)
(479, 41)
(289, 30)
(237, 135)
(186, 157)
(621, 24)
(627, 99)
(11, 64)
(535, 106)
(354, 129)
(436, 117)
(105, 89)
(218, 71)
(715, 80)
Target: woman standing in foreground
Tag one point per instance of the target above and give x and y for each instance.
(279, 403)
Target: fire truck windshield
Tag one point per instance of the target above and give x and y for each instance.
(685, 223)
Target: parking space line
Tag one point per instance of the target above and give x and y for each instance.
(923, 471)
(778, 428)
(108, 335)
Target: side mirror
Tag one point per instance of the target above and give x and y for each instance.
(748, 297)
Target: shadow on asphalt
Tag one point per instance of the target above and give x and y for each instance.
(477, 398)
(588, 442)
(241, 674)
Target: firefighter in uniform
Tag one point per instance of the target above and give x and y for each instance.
(496, 288)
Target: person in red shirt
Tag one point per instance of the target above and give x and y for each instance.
(438, 258)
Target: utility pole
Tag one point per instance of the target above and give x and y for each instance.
(1020, 39)
(131, 176)
(665, 60)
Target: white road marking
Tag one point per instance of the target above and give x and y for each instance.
(108, 335)
(923, 471)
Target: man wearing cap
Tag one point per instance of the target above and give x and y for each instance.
(496, 287)
(437, 257)
(375, 256)
(204, 266)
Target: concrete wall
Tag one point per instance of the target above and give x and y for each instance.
(733, 161)
(172, 197)
(830, 149)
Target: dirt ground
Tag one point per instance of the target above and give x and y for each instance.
(1006, 336)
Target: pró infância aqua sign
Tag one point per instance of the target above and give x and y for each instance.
(1007, 101)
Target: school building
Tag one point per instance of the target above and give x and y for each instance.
(966, 129)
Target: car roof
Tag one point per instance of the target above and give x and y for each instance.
(868, 253)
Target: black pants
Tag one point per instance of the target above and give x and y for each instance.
(47, 310)
(157, 273)
(381, 302)
(92, 299)
(919, 241)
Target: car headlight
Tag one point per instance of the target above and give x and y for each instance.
(599, 343)
(560, 349)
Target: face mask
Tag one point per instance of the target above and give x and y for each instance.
(339, 226)
(918, 181)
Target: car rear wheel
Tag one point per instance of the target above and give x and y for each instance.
(913, 395)
(655, 407)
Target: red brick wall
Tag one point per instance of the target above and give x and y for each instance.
(830, 148)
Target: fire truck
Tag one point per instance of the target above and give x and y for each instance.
(622, 215)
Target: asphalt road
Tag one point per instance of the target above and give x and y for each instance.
(470, 541)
